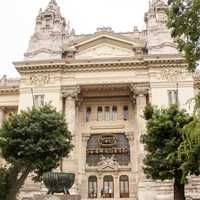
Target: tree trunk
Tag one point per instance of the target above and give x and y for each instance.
(16, 183)
(179, 190)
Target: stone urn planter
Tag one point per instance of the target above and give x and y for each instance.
(58, 182)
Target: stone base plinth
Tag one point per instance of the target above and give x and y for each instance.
(54, 197)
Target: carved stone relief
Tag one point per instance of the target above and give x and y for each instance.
(39, 79)
(171, 74)
(71, 91)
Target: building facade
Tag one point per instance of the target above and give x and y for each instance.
(102, 82)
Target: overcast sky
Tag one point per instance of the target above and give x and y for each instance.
(17, 20)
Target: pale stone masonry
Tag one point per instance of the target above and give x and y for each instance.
(102, 82)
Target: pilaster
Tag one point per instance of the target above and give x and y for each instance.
(140, 105)
(2, 115)
(70, 164)
(116, 186)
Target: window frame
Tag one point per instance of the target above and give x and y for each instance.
(172, 96)
(92, 181)
(125, 112)
(99, 113)
(114, 113)
(109, 182)
(124, 186)
(39, 100)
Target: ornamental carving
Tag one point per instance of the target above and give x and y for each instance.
(139, 88)
(39, 79)
(171, 74)
(71, 91)
(107, 140)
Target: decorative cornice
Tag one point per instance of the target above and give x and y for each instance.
(129, 63)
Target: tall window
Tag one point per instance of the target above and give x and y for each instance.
(107, 113)
(108, 186)
(92, 187)
(114, 113)
(99, 113)
(38, 100)
(124, 186)
(173, 96)
(88, 114)
(125, 113)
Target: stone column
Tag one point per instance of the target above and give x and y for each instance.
(2, 115)
(70, 164)
(133, 154)
(140, 105)
(70, 93)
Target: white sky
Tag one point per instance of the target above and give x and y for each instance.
(17, 21)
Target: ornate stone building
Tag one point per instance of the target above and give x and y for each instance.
(102, 82)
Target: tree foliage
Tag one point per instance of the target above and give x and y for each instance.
(33, 141)
(184, 22)
(161, 143)
(3, 183)
(189, 150)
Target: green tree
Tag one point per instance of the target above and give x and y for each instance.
(3, 183)
(161, 143)
(34, 140)
(189, 150)
(184, 22)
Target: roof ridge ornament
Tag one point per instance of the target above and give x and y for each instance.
(53, 2)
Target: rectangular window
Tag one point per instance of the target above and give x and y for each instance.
(88, 114)
(107, 113)
(114, 113)
(173, 97)
(99, 113)
(38, 100)
(125, 114)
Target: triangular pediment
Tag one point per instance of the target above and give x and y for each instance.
(106, 45)
(104, 50)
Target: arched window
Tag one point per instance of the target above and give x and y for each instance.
(108, 187)
(124, 186)
(92, 187)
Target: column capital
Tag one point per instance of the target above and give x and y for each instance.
(139, 88)
(130, 135)
(85, 138)
(71, 91)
